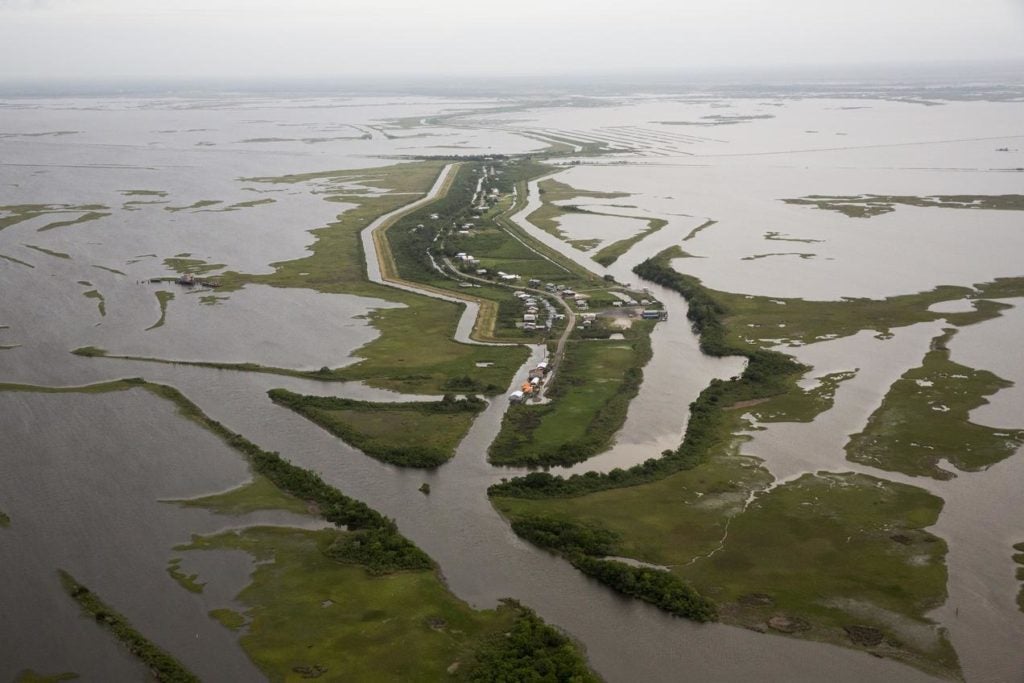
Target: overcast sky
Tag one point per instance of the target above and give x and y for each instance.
(44, 39)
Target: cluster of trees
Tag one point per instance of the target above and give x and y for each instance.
(660, 588)
(767, 374)
(566, 537)
(380, 550)
(467, 385)
(335, 507)
(162, 666)
(447, 405)
(530, 651)
(587, 546)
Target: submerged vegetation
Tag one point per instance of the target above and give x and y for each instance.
(162, 298)
(186, 581)
(18, 261)
(412, 434)
(101, 303)
(338, 599)
(49, 252)
(193, 266)
(546, 216)
(84, 218)
(925, 419)
(163, 666)
(868, 205)
(12, 214)
(258, 494)
(610, 254)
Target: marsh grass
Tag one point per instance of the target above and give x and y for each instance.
(610, 254)
(925, 419)
(411, 434)
(49, 252)
(101, 303)
(163, 298)
(592, 389)
(869, 205)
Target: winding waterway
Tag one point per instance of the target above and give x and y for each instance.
(481, 559)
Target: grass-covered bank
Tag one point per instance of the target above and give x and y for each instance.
(163, 666)
(590, 396)
(357, 600)
(768, 373)
(547, 214)
(586, 548)
(610, 254)
(925, 419)
(743, 325)
(387, 548)
(840, 558)
(411, 434)
(869, 205)
(416, 352)
(309, 616)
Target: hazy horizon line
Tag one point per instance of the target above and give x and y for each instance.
(950, 74)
